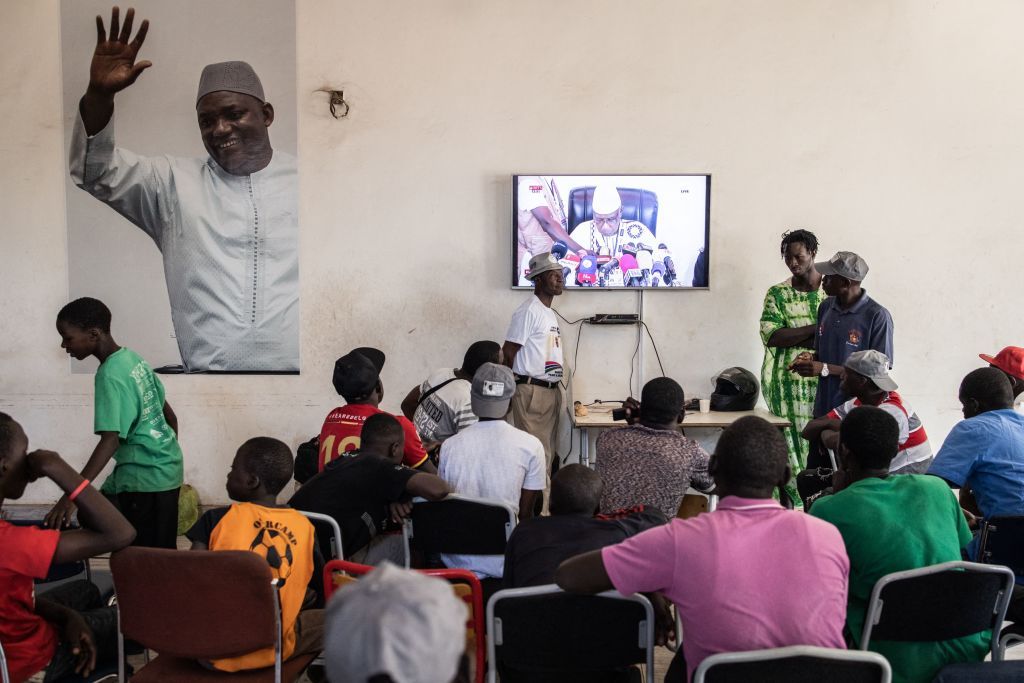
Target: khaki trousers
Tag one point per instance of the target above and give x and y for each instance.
(535, 410)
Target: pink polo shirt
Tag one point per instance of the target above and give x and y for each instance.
(750, 575)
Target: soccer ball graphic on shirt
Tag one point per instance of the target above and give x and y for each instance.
(275, 548)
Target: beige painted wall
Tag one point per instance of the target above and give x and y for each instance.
(891, 128)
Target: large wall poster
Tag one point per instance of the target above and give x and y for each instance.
(182, 207)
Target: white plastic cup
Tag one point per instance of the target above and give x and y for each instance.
(705, 405)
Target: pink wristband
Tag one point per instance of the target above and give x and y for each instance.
(79, 489)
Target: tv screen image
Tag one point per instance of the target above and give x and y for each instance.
(614, 231)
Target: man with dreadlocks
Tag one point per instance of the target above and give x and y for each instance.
(787, 328)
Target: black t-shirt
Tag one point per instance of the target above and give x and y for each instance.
(539, 545)
(355, 490)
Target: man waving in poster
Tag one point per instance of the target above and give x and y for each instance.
(226, 225)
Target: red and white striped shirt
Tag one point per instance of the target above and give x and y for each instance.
(914, 446)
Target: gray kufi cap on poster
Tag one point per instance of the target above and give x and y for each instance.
(231, 76)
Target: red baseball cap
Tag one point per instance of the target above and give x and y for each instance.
(1010, 360)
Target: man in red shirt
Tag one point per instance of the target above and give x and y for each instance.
(357, 379)
(43, 633)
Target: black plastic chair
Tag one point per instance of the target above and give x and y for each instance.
(1002, 542)
(941, 602)
(795, 664)
(976, 672)
(326, 527)
(458, 525)
(543, 630)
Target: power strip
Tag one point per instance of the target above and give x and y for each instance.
(614, 319)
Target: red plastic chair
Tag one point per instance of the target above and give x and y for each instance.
(464, 582)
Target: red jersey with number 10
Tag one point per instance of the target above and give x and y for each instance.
(344, 425)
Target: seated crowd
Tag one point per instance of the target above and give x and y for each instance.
(751, 575)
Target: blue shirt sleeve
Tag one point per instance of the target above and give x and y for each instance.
(959, 451)
(881, 334)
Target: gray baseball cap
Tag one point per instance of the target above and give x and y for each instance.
(398, 622)
(844, 264)
(542, 263)
(492, 391)
(874, 365)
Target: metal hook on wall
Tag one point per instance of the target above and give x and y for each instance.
(339, 107)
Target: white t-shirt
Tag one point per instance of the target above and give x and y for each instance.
(534, 326)
(493, 460)
(447, 410)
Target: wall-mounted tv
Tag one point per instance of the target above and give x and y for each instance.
(614, 231)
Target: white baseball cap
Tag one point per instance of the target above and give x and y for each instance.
(398, 622)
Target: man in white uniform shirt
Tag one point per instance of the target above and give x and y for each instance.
(541, 220)
(492, 459)
(533, 349)
(227, 226)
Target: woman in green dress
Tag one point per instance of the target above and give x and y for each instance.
(788, 324)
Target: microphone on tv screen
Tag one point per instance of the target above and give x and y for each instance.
(645, 260)
(670, 266)
(631, 274)
(605, 270)
(559, 249)
(586, 274)
(657, 273)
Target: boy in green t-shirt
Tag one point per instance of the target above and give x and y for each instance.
(890, 524)
(136, 426)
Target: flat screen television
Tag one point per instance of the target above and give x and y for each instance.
(614, 231)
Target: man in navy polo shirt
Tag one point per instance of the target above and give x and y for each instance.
(848, 320)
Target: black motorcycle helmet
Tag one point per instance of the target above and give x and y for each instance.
(735, 389)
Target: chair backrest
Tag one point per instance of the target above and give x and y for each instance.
(196, 604)
(795, 664)
(459, 524)
(944, 601)
(326, 527)
(637, 205)
(1002, 542)
(608, 631)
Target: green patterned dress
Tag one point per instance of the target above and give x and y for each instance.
(788, 394)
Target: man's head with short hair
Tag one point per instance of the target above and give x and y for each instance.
(750, 460)
(661, 402)
(83, 325)
(261, 467)
(869, 438)
(86, 313)
(14, 474)
(382, 435)
(479, 353)
(985, 389)
(575, 490)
